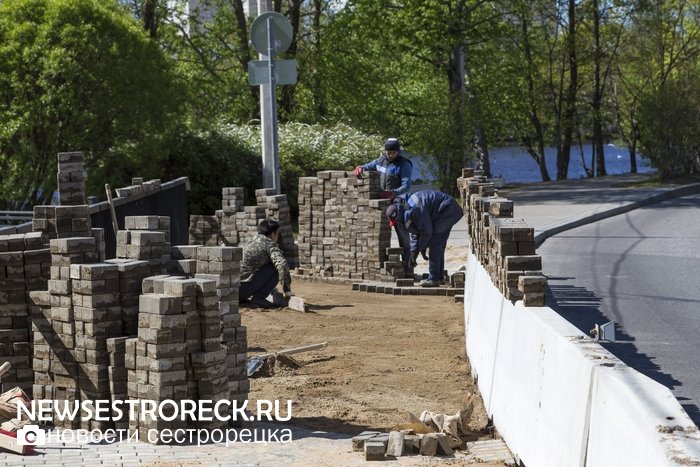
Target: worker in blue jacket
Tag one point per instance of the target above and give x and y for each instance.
(395, 181)
(428, 216)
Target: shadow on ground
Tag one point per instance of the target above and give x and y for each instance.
(581, 307)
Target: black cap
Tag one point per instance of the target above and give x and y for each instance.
(392, 144)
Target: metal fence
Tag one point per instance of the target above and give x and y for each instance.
(170, 200)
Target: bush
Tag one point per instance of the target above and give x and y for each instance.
(670, 135)
(213, 160)
(307, 149)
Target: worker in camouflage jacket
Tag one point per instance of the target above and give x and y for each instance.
(429, 216)
(263, 265)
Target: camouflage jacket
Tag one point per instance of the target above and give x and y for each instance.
(259, 251)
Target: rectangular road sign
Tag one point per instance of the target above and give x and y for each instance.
(285, 72)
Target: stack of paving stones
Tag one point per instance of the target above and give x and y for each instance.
(179, 352)
(234, 224)
(146, 238)
(203, 230)
(118, 377)
(67, 348)
(232, 203)
(71, 178)
(277, 207)
(221, 266)
(342, 229)
(142, 251)
(139, 187)
(381, 446)
(96, 317)
(183, 260)
(23, 273)
(504, 245)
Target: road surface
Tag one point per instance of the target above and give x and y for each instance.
(641, 270)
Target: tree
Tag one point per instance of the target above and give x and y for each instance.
(75, 75)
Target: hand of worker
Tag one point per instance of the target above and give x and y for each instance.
(287, 294)
(358, 171)
(413, 260)
(424, 254)
(387, 195)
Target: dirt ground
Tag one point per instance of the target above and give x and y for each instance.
(387, 355)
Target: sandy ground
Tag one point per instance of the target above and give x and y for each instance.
(386, 356)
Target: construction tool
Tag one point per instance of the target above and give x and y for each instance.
(254, 363)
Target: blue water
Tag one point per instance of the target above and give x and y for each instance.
(515, 165)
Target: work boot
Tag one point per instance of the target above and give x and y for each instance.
(429, 283)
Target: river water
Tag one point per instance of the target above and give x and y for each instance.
(515, 165)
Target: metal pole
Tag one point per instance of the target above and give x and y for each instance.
(266, 120)
(273, 103)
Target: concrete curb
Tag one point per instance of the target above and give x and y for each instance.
(685, 190)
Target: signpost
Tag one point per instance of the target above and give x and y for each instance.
(271, 35)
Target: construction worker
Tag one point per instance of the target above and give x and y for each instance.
(395, 181)
(428, 216)
(263, 265)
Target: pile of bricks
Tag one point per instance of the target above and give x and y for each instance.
(377, 446)
(138, 187)
(504, 245)
(204, 230)
(97, 317)
(67, 318)
(23, 270)
(71, 178)
(234, 224)
(222, 266)
(66, 350)
(342, 228)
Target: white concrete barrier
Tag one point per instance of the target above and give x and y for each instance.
(560, 399)
(484, 316)
(636, 421)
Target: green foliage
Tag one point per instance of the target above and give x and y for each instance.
(670, 134)
(75, 75)
(307, 149)
(212, 160)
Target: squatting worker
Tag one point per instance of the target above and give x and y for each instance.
(395, 181)
(263, 266)
(428, 216)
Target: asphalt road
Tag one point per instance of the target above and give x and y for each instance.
(641, 270)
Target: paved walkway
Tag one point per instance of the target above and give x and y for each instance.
(308, 448)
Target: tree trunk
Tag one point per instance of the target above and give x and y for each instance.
(598, 146)
(243, 56)
(287, 98)
(148, 16)
(564, 155)
(533, 114)
(319, 100)
(481, 148)
(633, 148)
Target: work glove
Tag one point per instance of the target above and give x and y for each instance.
(413, 260)
(387, 195)
(358, 171)
(424, 253)
(287, 294)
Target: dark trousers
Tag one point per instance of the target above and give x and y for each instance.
(436, 253)
(405, 244)
(261, 284)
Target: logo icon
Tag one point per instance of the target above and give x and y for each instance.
(31, 435)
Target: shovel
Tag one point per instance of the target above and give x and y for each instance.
(254, 363)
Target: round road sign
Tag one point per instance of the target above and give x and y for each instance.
(282, 30)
